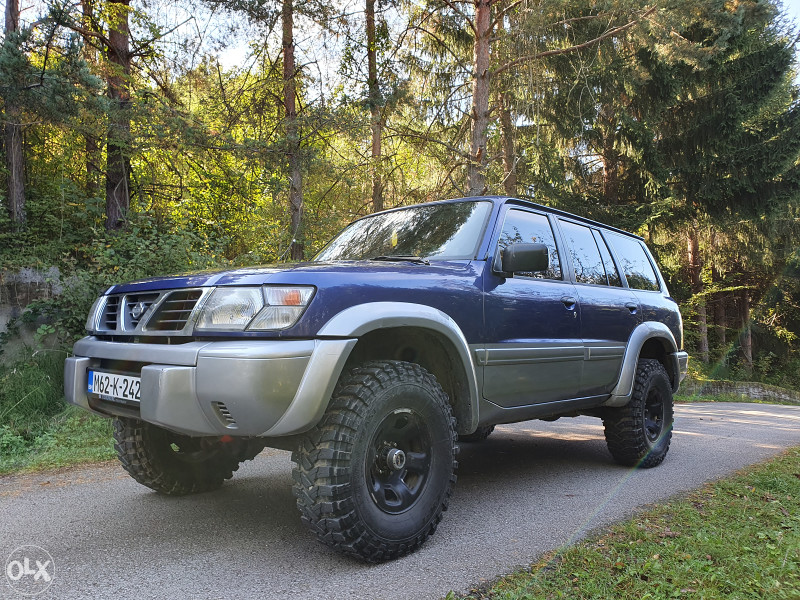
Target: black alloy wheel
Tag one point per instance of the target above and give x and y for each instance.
(373, 478)
(400, 462)
(639, 433)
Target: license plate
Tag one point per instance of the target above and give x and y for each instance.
(115, 387)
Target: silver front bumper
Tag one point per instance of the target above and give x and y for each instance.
(244, 388)
(683, 364)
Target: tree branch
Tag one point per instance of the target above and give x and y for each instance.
(140, 46)
(606, 35)
(459, 12)
(502, 13)
(439, 40)
(576, 19)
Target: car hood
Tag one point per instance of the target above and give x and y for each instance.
(309, 273)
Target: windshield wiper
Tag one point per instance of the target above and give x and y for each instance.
(403, 258)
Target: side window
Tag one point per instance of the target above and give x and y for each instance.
(586, 259)
(611, 268)
(634, 262)
(531, 228)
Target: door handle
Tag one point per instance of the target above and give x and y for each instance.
(569, 302)
(632, 306)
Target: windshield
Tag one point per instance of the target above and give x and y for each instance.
(435, 231)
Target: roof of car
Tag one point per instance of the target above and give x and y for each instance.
(523, 202)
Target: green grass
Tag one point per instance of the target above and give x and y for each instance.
(38, 430)
(71, 437)
(738, 538)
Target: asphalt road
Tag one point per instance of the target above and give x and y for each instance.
(530, 488)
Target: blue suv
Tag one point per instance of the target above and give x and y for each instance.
(413, 329)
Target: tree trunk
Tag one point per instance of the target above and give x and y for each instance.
(93, 147)
(374, 107)
(476, 169)
(720, 317)
(118, 163)
(509, 157)
(610, 173)
(610, 157)
(12, 134)
(292, 132)
(93, 158)
(695, 268)
(747, 334)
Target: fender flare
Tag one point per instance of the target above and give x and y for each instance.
(361, 319)
(621, 394)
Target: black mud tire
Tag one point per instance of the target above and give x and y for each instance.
(175, 464)
(480, 434)
(351, 488)
(638, 434)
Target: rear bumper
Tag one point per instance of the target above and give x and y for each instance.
(244, 388)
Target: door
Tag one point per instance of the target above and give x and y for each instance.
(609, 311)
(533, 351)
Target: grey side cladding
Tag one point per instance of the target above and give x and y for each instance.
(643, 332)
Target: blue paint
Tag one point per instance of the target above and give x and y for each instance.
(490, 307)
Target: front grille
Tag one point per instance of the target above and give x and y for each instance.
(166, 313)
(136, 307)
(110, 318)
(174, 311)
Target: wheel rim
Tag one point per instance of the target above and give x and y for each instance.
(654, 415)
(399, 461)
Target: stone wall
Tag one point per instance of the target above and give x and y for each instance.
(20, 288)
(17, 290)
(748, 389)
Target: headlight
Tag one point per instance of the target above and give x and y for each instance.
(94, 316)
(237, 308)
(230, 309)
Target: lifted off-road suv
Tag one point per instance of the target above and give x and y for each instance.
(413, 328)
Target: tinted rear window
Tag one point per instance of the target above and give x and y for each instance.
(634, 262)
(586, 259)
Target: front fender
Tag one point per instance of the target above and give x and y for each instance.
(359, 320)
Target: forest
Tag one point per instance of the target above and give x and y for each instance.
(146, 137)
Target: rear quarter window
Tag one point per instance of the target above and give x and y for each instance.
(582, 248)
(634, 262)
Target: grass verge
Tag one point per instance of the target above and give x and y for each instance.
(70, 437)
(38, 430)
(735, 538)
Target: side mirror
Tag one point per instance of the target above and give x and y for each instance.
(525, 258)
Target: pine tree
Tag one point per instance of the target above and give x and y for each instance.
(15, 158)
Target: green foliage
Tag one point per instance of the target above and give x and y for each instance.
(37, 428)
(136, 253)
(690, 119)
(72, 437)
(31, 392)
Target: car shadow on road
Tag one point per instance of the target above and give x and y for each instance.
(259, 497)
(524, 452)
(258, 504)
